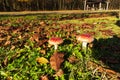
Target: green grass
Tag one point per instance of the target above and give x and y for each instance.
(19, 49)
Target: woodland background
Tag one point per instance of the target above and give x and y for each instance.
(34, 5)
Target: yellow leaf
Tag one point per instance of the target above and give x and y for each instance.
(42, 60)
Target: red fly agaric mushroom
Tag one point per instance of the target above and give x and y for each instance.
(85, 38)
(55, 41)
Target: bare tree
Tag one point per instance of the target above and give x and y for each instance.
(15, 5)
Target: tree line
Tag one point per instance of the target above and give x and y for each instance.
(34, 5)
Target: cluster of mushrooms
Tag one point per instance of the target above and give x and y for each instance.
(84, 38)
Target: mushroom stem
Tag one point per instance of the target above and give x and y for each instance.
(84, 44)
(56, 47)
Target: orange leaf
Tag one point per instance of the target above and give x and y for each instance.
(7, 43)
(110, 71)
(72, 59)
(42, 51)
(59, 73)
(44, 77)
(42, 60)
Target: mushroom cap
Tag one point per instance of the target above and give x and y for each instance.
(85, 38)
(55, 40)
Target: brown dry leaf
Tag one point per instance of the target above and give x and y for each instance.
(101, 69)
(9, 78)
(35, 37)
(20, 37)
(37, 30)
(7, 43)
(31, 39)
(15, 31)
(44, 77)
(87, 26)
(5, 62)
(49, 45)
(59, 73)
(42, 60)
(92, 64)
(41, 43)
(42, 23)
(1, 39)
(6, 28)
(110, 71)
(72, 59)
(42, 51)
(8, 37)
(12, 47)
(56, 60)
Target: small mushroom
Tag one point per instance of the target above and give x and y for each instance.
(55, 41)
(84, 38)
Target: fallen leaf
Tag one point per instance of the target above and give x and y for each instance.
(5, 62)
(59, 73)
(42, 23)
(87, 26)
(12, 47)
(35, 37)
(72, 59)
(101, 69)
(42, 51)
(8, 37)
(42, 60)
(55, 61)
(20, 37)
(9, 78)
(49, 45)
(1, 39)
(7, 43)
(44, 77)
(110, 71)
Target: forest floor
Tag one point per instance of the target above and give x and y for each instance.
(25, 53)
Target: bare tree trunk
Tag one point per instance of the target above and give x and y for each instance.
(85, 4)
(119, 12)
(100, 6)
(60, 4)
(37, 5)
(63, 5)
(107, 5)
(4, 7)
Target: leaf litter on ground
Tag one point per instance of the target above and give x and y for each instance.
(15, 33)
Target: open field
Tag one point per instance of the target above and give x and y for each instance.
(25, 53)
